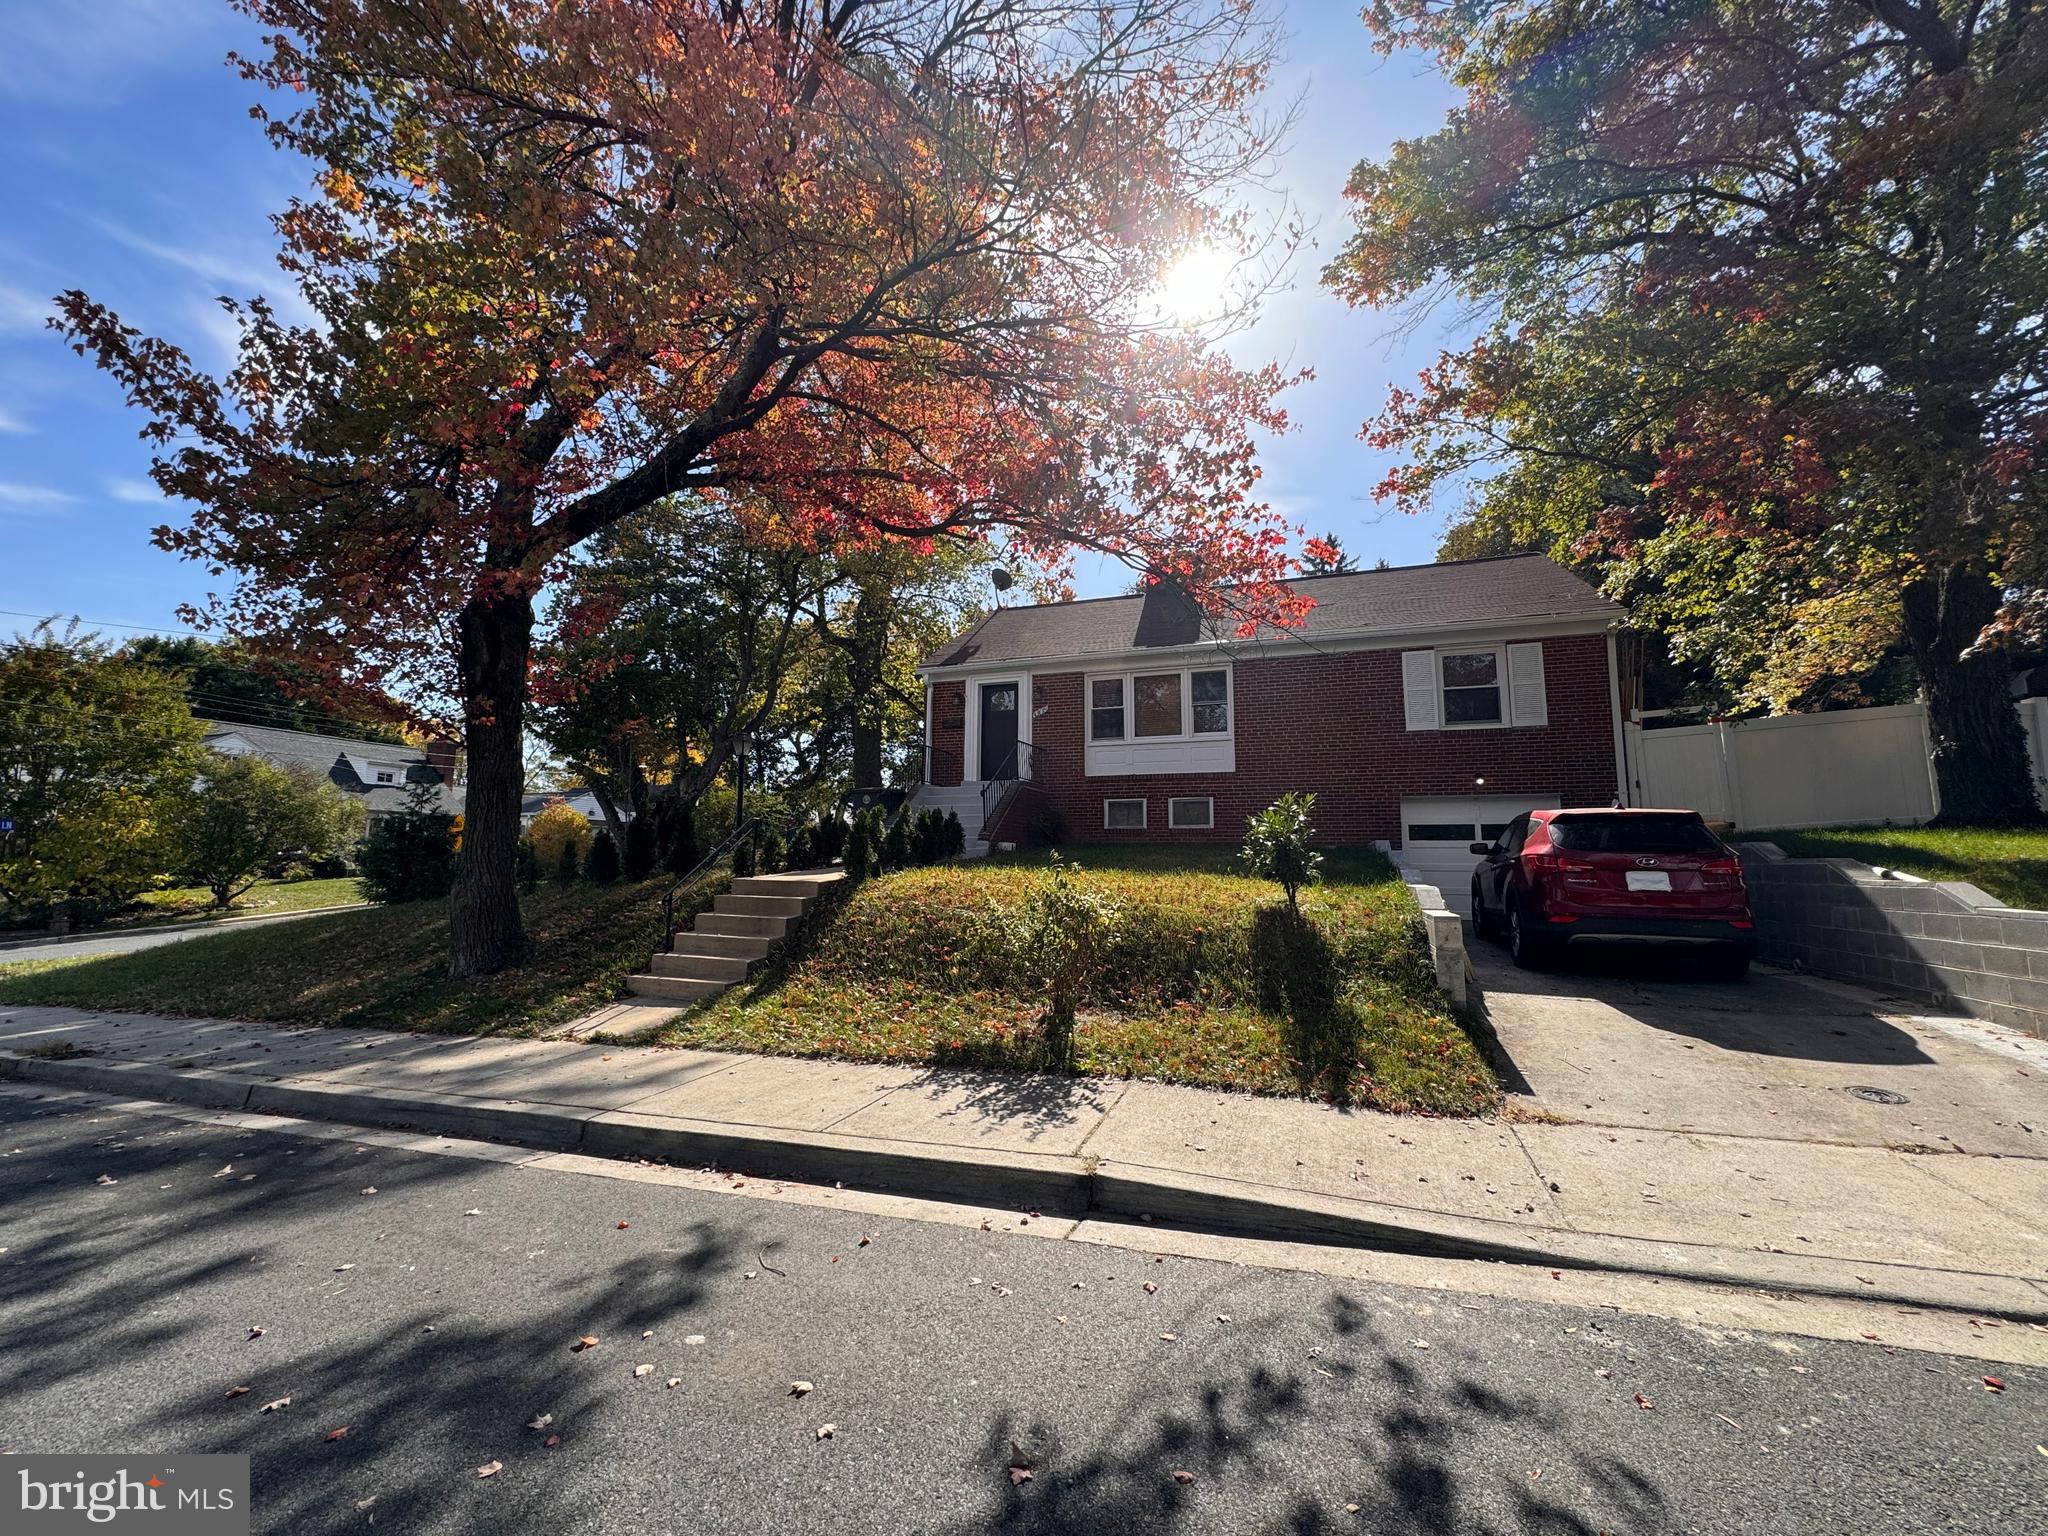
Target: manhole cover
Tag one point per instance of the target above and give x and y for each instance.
(1880, 1096)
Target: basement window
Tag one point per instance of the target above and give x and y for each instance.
(1123, 815)
(1191, 811)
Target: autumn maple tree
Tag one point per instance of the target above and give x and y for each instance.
(880, 265)
(1759, 288)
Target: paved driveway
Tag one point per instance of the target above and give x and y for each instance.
(1642, 1041)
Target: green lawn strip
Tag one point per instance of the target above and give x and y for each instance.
(186, 903)
(1207, 982)
(384, 967)
(2011, 865)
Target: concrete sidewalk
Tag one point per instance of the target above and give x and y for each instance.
(1955, 1229)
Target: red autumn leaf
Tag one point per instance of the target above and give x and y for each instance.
(552, 1441)
(1643, 1402)
(588, 1341)
(624, 1224)
(1994, 1383)
(1019, 1475)
(236, 1391)
(336, 1434)
(1183, 1477)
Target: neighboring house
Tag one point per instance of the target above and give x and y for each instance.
(1425, 706)
(379, 772)
(581, 801)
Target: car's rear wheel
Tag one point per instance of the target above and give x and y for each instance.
(1527, 951)
(1730, 964)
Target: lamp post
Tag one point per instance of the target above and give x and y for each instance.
(739, 782)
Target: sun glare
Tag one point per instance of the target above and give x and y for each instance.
(1196, 288)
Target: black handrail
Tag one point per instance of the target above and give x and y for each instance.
(731, 841)
(1019, 768)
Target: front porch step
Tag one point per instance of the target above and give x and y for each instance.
(809, 882)
(762, 906)
(675, 989)
(719, 968)
(724, 946)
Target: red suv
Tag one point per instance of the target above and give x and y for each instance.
(1555, 878)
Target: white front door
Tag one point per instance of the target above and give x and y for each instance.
(1437, 837)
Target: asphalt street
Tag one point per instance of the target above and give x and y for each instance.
(428, 1304)
(140, 938)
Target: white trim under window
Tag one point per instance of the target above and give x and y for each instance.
(1111, 809)
(1202, 809)
(1161, 704)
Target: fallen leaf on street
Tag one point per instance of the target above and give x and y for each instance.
(552, 1441)
(474, 1210)
(799, 1388)
(675, 1381)
(1994, 1384)
(336, 1434)
(1421, 1343)
(694, 1339)
(1183, 1477)
(643, 1370)
(865, 1239)
(106, 1179)
(371, 1190)
(1222, 1317)
(624, 1224)
(542, 1422)
(1151, 1289)
(1728, 1421)
(1019, 1475)
(588, 1341)
(1603, 1373)
(257, 1333)
(1171, 1338)
(236, 1391)
(827, 1431)
(490, 1469)
(1643, 1402)
(273, 1407)
(225, 1171)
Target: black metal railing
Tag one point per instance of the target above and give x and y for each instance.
(1015, 773)
(703, 866)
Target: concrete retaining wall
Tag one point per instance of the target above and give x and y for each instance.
(1444, 928)
(1943, 941)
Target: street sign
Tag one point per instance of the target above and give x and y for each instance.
(6, 823)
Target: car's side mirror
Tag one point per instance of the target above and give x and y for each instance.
(1482, 847)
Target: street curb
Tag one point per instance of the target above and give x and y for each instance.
(1036, 1181)
(197, 929)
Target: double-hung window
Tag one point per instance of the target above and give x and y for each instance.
(1182, 705)
(1472, 687)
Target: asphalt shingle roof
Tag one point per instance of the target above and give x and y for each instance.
(1500, 589)
(320, 754)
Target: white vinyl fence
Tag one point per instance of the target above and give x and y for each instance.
(1842, 768)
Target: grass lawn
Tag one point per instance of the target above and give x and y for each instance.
(382, 966)
(2011, 865)
(1206, 982)
(184, 903)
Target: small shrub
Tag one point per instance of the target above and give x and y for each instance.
(567, 864)
(557, 825)
(896, 843)
(768, 850)
(829, 839)
(602, 867)
(744, 857)
(1276, 845)
(956, 836)
(640, 848)
(803, 853)
(336, 866)
(410, 854)
(1058, 936)
(527, 867)
(678, 837)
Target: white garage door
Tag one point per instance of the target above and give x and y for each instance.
(1437, 837)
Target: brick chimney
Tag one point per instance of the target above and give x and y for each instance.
(441, 755)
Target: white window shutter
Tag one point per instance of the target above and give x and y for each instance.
(1526, 700)
(1418, 689)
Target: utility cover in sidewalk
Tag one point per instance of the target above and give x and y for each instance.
(1880, 1095)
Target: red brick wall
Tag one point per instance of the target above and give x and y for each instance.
(1335, 725)
(949, 730)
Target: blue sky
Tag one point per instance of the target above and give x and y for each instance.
(134, 172)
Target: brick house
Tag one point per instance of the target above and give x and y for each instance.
(1424, 706)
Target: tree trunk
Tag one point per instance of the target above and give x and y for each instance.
(865, 666)
(495, 639)
(1980, 748)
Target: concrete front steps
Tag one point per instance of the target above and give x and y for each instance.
(742, 926)
(964, 801)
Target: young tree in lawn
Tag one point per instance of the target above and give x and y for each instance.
(244, 812)
(892, 261)
(96, 754)
(1767, 282)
